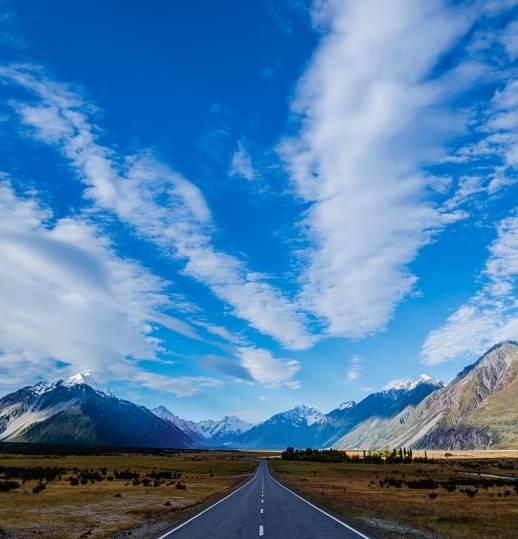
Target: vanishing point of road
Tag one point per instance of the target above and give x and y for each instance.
(263, 508)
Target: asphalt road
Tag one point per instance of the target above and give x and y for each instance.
(263, 508)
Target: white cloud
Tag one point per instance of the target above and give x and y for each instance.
(372, 119)
(491, 315)
(510, 40)
(181, 386)
(222, 332)
(466, 334)
(241, 164)
(162, 206)
(355, 369)
(268, 370)
(67, 301)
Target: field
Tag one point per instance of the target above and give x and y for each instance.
(99, 496)
(452, 496)
(455, 496)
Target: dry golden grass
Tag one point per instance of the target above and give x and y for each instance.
(101, 509)
(355, 491)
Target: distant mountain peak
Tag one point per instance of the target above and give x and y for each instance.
(346, 405)
(309, 414)
(86, 378)
(79, 378)
(410, 385)
(209, 432)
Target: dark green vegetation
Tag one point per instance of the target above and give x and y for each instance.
(396, 456)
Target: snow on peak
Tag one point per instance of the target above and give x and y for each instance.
(230, 424)
(409, 385)
(40, 388)
(401, 384)
(310, 414)
(87, 379)
(345, 405)
(79, 378)
(208, 428)
(424, 378)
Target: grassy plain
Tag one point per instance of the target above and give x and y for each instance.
(454, 497)
(98, 496)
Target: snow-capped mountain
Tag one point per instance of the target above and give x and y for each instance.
(475, 411)
(88, 379)
(220, 433)
(347, 425)
(71, 412)
(281, 430)
(32, 405)
(209, 433)
(409, 384)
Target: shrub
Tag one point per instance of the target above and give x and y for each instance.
(5, 486)
(38, 488)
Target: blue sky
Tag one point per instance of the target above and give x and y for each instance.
(236, 207)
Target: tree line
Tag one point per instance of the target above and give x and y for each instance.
(396, 456)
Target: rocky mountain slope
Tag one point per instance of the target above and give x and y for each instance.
(477, 410)
(74, 413)
(474, 411)
(369, 423)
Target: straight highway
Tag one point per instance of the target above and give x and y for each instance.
(263, 508)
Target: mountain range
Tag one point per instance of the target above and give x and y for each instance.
(476, 410)
(207, 433)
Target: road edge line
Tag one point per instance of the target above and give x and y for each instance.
(211, 506)
(318, 509)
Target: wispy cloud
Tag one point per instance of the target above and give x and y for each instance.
(68, 303)
(373, 115)
(181, 386)
(256, 366)
(241, 164)
(355, 369)
(265, 369)
(491, 315)
(227, 366)
(161, 205)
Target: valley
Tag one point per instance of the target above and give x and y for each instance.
(455, 495)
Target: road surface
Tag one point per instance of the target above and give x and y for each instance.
(263, 508)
